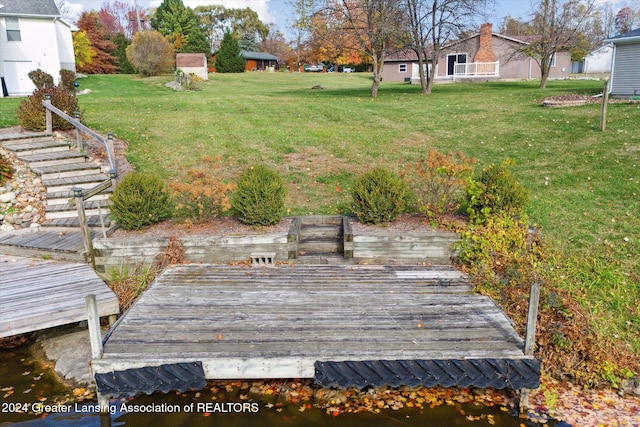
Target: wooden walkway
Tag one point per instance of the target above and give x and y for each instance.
(38, 294)
(243, 323)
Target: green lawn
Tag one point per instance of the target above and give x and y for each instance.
(584, 184)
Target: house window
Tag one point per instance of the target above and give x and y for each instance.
(13, 29)
(553, 59)
(402, 68)
(453, 59)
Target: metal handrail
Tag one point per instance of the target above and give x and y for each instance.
(110, 156)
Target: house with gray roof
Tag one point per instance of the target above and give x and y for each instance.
(625, 69)
(33, 36)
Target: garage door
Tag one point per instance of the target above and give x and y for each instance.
(16, 77)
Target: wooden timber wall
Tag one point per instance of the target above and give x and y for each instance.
(126, 253)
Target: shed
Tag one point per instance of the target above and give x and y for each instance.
(193, 63)
(625, 68)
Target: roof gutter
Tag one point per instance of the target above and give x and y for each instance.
(624, 40)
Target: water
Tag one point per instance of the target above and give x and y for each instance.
(29, 384)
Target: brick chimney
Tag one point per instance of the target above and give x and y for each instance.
(485, 51)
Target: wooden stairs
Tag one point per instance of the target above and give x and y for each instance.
(61, 169)
(321, 240)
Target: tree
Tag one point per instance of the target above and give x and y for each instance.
(373, 24)
(103, 62)
(624, 21)
(216, 20)
(229, 58)
(303, 11)
(557, 24)
(180, 25)
(82, 49)
(122, 42)
(121, 17)
(276, 44)
(431, 24)
(248, 42)
(150, 53)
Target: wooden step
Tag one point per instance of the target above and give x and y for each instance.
(63, 197)
(321, 246)
(321, 231)
(321, 220)
(66, 184)
(324, 259)
(92, 221)
(7, 140)
(95, 207)
(67, 170)
(38, 147)
(48, 159)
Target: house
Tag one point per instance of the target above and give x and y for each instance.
(402, 66)
(625, 68)
(256, 61)
(599, 61)
(488, 55)
(193, 63)
(33, 36)
(260, 61)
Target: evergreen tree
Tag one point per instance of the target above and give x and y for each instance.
(123, 63)
(248, 42)
(229, 59)
(180, 25)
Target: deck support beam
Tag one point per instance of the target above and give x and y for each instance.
(530, 337)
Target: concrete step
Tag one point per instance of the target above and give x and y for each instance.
(67, 170)
(66, 184)
(91, 208)
(38, 147)
(48, 159)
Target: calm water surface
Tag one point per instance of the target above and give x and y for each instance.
(27, 383)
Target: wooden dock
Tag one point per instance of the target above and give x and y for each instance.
(299, 321)
(39, 294)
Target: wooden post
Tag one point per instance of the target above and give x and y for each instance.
(530, 337)
(84, 227)
(79, 142)
(47, 99)
(603, 108)
(93, 319)
(110, 137)
(95, 337)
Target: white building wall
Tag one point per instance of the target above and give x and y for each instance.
(599, 61)
(65, 45)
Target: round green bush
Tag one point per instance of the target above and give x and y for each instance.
(379, 196)
(259, 197)
(139, 200)
(495, 191)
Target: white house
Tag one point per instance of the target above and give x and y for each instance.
(33, 36)
(625, 69)
(599, 61)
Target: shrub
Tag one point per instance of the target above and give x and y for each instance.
(440, 180)
(379, 196)
(41, 79)
(201, 194)
(495, 191)
(139, 200)
(31, 113)
(259, 197)
(67, 79)
(150, 53)
(6, 171)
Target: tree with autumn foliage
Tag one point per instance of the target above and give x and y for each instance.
(103, 62)
(120, 17)
(625, 20)
(82, 50)
(373, 24)
(150, 53)
(329, 42)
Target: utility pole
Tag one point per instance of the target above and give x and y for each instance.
(135, 5)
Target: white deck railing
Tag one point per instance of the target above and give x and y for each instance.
(476, 69)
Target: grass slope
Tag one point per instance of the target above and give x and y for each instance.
(584, 184)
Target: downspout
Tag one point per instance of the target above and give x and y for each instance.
(613, 63)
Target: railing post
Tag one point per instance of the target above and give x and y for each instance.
(532, 318)
(603, 107)
(97, 350)
(79, 142)
(47, 100)
(84, 227)
(113, 175)
(110, 138)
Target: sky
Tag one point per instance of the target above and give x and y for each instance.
(278, 11)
